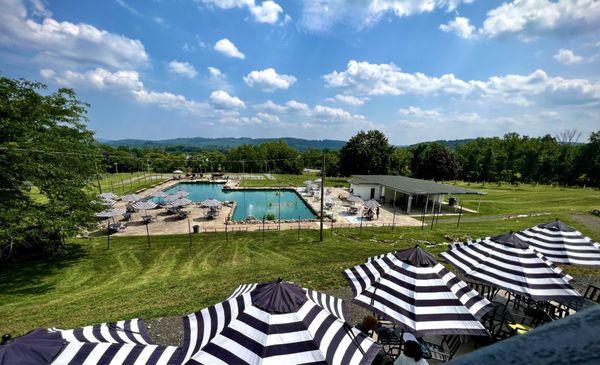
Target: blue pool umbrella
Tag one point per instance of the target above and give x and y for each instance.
(38, 347)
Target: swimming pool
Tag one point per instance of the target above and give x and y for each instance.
(250, 202)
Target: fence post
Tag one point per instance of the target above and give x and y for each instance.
(226, 233)
(190, 232)
(148, 235)
(298, 228)
(394, 220)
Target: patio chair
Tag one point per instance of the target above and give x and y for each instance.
(445, 350)
(182, 214)
(391, 343)
(533, 317)
(127, 216)
(592, 293)
(486, 291)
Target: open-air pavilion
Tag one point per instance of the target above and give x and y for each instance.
(406, 193)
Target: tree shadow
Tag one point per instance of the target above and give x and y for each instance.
(27, 277)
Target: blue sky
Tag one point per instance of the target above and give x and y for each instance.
(415, 69)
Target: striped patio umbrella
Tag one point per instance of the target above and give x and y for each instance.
(123, 342)
(144, 205)
(159, 194)
(211, 203)
(354, 199)
(109, 213)
(411, 289)
(131, 198)
(107, 195)
(181, 193)
(273, 323)
(561, 243)
(507, 262)
(170, 198)
(372, 204)
(107, 202)
(181, 202)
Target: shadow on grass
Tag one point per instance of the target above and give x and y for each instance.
(27, 277)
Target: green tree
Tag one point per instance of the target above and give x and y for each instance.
(366, 153)
(433, 161)
(47, 158)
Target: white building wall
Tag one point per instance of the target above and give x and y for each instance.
(364, 190)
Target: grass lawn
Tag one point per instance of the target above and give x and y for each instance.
(125, 182)
(91, 284)
(294, 180)
(524, 198)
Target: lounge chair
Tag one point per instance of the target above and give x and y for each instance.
(148, 219)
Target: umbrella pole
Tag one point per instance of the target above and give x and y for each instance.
(148, 235)
(190, 232)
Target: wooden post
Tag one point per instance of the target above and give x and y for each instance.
(322, 197)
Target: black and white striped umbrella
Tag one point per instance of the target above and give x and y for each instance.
(103, 353)
(561, 243)
(144, 205)
(131, 331)
(170, 197)
(159, 194)
(120, 343)
(109, 213)
(131, 198)
(273, 323)
(507, 262)
(411, 289)
(181, 193)
(107, 195)
(107, 202)
(211, 203)
(181, 202)
(372, 204)
(354, 199)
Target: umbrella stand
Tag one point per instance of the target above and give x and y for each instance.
(148, 235)
(108, 234)
(190, 232)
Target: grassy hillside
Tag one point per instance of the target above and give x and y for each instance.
(92, 284)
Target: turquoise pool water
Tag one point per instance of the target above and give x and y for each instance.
(252, 202)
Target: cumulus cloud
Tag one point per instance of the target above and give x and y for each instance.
(460, 26)
(270, 106)
(271, 118)
(226, 47)
(215, 72)
(222, 100)
(531, 18)
(269, 80)
(347, 99)
(266, 12)
(59, 42)
(418, 112)
(99, 79)
(182, 68)
(322, 15)
(316, 114)
(296, 106)
(567, 57)
(363, 78)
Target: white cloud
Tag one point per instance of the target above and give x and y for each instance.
(170, 101)
(226, 47)
(567, 57)
(296, 106)
(59, 42)
(182, 68)
(418, 112)
(222, 100)
(531, 18)
(270, 106)
(363, 78)
(215, 72)
(460, 26)
(99, 79)
(269, 80)
(266, 12)
(271, 118)
(347, 99)
(322, 15)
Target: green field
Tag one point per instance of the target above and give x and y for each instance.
(511, 199)
(92, 284)
(125, 182)
(293, 180)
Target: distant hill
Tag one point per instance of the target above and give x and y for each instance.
(452, 144)
(224, 143)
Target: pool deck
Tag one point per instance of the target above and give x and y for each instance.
(168, 224)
